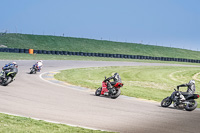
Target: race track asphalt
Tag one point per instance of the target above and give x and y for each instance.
(31, 96)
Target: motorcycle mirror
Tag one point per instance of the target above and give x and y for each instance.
(105, 77)
(174, 89)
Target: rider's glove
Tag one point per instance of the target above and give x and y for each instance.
(105, 80)
(177, 88)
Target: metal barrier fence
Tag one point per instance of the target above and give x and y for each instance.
(16, 50)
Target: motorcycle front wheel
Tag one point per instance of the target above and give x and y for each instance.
(32, 71)
(166, 102)
(98, 91)
(191, 106)
(9, 79)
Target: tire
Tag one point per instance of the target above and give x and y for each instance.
(166, 102)
(9, 79)
(191, 107)
(32, 71)
(116, 95)
(35, 71)
(98, 91)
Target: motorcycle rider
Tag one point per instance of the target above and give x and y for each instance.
(11, 67)
(116, 78)
(39, 64)
(190, 89)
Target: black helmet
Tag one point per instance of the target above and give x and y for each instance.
(115, 74)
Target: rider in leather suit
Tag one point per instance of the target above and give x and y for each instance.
(11, 67)
(116, 78)
(39, 65)
(190, 89)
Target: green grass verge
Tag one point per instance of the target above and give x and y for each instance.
(16, 124)
(41, 42)
(146, 82)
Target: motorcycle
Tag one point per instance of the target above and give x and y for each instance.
(113, 92)
(34, 69)
(6, 79)
(189, 104)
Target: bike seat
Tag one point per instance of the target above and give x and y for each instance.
(112, 83)
(185, 93)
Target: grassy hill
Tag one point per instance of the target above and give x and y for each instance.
(43, 42)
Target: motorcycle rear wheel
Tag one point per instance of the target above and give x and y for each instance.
(166, 102)
(192, 106)
(116, 95)
(98, 91)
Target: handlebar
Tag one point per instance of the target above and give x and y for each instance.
(177, 89)
(106, 80)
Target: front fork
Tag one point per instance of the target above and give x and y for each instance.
(3, 75)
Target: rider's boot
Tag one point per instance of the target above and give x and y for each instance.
(109, 86)
(182, 98)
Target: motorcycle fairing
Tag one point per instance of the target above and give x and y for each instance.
(193, 96)
(104, 88)
(118, 85)
(2, 73)
(9, 73)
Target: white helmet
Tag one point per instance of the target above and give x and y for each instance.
(15, 64)
(41, 61)
(192, 81)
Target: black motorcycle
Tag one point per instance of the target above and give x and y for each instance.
(6, 77)
(188, 103)
(34, 69)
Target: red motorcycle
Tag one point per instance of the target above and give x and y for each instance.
(114, 92)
